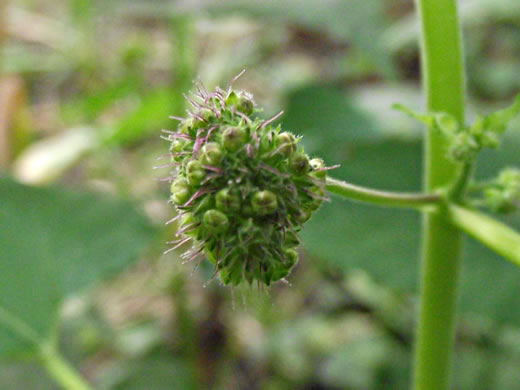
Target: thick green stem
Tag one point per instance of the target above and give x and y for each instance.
(444, 87)
(382, 198)
(61, 371)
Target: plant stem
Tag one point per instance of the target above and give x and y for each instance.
(460, 186)
(382, 198)
(60, 370)
(492, 233)
(443, 80)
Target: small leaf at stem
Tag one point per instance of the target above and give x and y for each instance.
(428, 120)
(498, 121)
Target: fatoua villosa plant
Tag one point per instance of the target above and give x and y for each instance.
(243, 188)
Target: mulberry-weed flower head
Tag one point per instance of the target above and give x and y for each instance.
(242, 187)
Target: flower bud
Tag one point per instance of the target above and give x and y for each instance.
(211, 154)
(227, 201)
(245, 105)
(300, 164)
(178, 145)
(497, 201)
(317, 166)
(303, 216)
(291, 256)
(463, 147)
(282, 270)
(264, 202)
(316, 195)
(233, 138)
(285, 143)
(242, 102)
(188, 221)
(206, 114)
(291, 240)
(186, 126)
(502, 195)
(203, 204)
(195, 172)
(180, 190)
(215, 221)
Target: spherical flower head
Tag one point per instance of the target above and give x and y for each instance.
(242, 187)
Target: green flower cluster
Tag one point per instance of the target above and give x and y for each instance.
(242, 188)
(503, 194)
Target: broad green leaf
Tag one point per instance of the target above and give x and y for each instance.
(53, 243)
(385, 242)
(158, 372)
(326, 116)
(381, 241)
(349, 235)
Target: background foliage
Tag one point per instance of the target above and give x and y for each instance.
(86, 86)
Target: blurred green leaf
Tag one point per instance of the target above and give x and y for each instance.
(360, 21)
(495, 79)
(326, 116)
(385, 242)
(499, 120)
(90, 105)
(17, 376)
(148, 117)
(485, 368)
(17, 59)
(53, 243)
(357, 364)
(159, 372)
